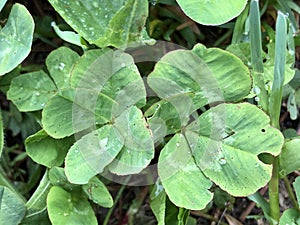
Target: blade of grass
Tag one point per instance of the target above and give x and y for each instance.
(239, 27)
(285, 7)
(256, 54)
(275, 105)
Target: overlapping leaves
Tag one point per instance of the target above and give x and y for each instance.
(101, 88)
(217, 147)
(105, 23)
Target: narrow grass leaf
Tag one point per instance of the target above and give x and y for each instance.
(256, 53)
(279, 69)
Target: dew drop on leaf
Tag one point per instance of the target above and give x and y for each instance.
(222, 161)
(61, 66)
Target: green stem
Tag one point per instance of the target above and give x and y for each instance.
(275, 106)
(274, 192)
(290, 192)
(110, 211)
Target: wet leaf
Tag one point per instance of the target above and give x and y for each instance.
(31, 91)
(90, 154)
(223, 147)
(204, 11)
(105, 23)
(181, 177)
(15, 38)
(98, 193)
(12, 208)
(47, 151)
(69, 208)
(138, 149)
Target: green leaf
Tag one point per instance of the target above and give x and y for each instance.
(138, 149)
(296, 186)
(66, 208)
(57, 115)
(103, 84)
(211, 12)
(59, 63)
(2, 3)
(89, 155)
(290, 217)
(47, 151)
(163, 119)
(12, 208)
(98, 193)
(204, 77)
(223, 147)
(289, 159)
(31, 91)
(69, 36)
(181, 177)
(105, 23)
(158, 202)
(1, 134)
(36, 205)
(15, 38)
(58, 177)
(269, 66)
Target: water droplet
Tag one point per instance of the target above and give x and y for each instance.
(256, 90)
(95, 4)
(256, 165)
(256, 98)
(177, 144)
(222, 161)
(61, 66)
(105, 9)
(123, 64)
(37, 94)
(43, 104)
(153, 2)
(66, 214)
(76, 151)
(106, 16)
(103, 143)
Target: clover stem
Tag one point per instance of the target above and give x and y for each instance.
(274, 191)
(120, 192)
